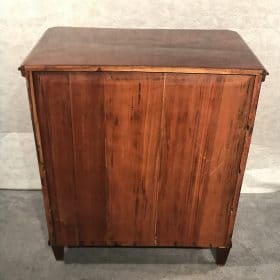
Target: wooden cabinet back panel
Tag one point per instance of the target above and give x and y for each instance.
(204, 127)
(141, 158)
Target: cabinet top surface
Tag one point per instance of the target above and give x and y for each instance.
(73, 46)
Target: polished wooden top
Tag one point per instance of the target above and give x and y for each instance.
(146, 48)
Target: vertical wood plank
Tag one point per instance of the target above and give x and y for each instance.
(87, 103)
(249, 130)
(203, 132)
(143, 159)
(216, 194)
(54, 114)
(40, 156)
(133, 106)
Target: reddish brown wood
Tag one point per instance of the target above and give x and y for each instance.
(242, 165)
(40, 157)
(110, 157)
(54, 114)
(204, 127)
(88, 135)
(133, 105)
(142, 50)
(135, 158)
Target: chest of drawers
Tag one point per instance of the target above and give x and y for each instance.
(142, 135)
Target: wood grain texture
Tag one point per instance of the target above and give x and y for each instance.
(103, 177)
(142, 50)
(86, 93)
(141, 69)
(249, 130)
(143, 159)
(204, 128)
(53, 99)
(40, 156)
(133, 105)
(142, 136)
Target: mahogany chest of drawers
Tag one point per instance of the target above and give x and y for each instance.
(142, 136)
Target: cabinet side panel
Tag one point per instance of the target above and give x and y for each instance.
(40, 157)
(133, 107)
(87, 102)
(250, 125)
(54, 114)
(204, 125)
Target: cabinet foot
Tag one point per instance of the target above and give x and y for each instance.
(221, 255)
(58, 252)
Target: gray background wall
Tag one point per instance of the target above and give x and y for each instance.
(23, 22)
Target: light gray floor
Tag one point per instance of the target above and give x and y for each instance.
(24, 253)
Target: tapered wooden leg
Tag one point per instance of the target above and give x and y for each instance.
(58, 252)
(221, 255)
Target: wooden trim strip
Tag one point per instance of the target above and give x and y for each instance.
(40, 157)
(150, 69)
(248, 136)
(76, 206)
